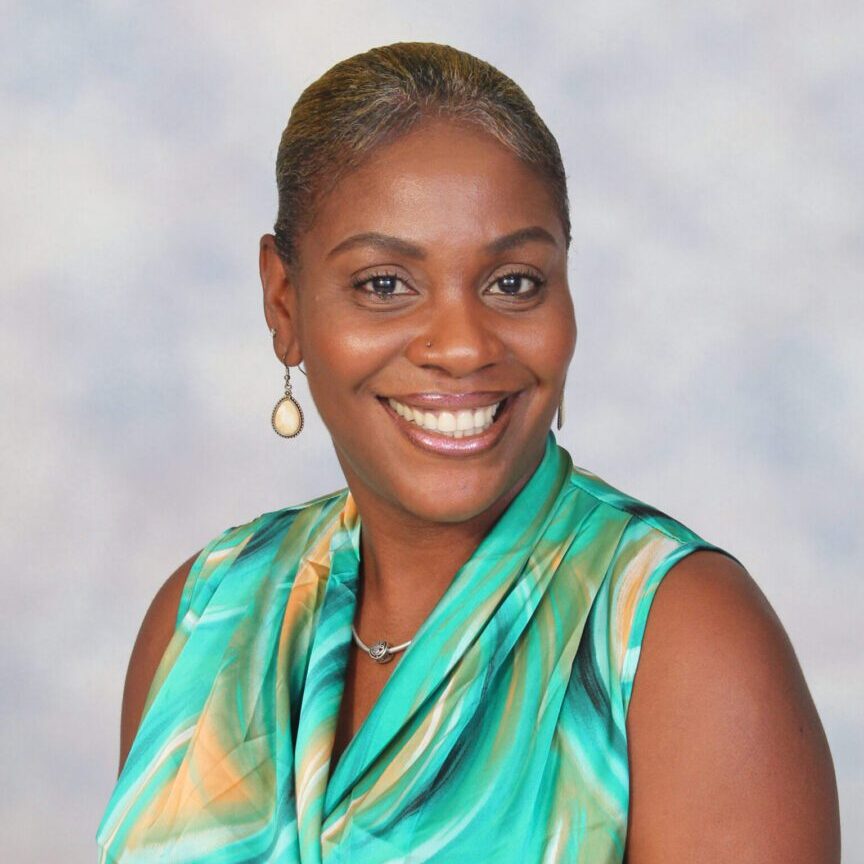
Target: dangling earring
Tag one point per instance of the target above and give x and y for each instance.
(560, 421)
(287, 417)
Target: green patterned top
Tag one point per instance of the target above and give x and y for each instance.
(500, 735)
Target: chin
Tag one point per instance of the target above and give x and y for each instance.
(449, 504)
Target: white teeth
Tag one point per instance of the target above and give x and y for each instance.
(459, 424)
(446, 422)
(464, 421)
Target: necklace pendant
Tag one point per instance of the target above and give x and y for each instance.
(379, 652)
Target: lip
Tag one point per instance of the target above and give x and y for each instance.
(443, 444)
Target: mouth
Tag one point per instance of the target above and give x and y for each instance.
(475, 425)
(463, 423)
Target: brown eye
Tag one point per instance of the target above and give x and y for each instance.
(382, 285)
(517, 284)
(511, 284)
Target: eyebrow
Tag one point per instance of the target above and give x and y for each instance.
(518, 238)
(389, 243)
(385, 242)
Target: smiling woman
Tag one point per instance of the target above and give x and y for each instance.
(435, 275)
(438, 662)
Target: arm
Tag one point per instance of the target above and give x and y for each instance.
(153, 638)
(729, 761)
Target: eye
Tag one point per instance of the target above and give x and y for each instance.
(517, 284)
(382, 285)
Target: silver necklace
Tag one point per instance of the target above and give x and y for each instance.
(382, 651)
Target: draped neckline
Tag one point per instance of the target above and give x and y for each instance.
(425, 664)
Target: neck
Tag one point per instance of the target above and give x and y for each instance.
(407, 563)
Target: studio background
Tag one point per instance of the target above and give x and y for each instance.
(716, 171)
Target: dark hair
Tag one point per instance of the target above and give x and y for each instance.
(374, 97)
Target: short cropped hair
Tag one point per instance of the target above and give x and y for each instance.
(377, 96)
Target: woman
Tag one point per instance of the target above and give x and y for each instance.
(438, 663)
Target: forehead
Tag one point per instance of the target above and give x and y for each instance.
(443, 184)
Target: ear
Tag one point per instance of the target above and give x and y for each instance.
(280, 302)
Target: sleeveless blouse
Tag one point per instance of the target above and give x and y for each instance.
(500, 735)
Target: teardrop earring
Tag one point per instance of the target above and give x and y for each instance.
(287, 416)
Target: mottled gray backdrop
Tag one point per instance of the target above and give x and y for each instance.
(716, 170)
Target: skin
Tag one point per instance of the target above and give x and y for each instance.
(729, 761)
(449, 192)
(728, 758)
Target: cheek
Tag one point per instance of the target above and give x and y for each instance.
(343, 354)
(547, 346)
(563, 346)
(561, 334)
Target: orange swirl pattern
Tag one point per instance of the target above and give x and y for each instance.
(500, 736)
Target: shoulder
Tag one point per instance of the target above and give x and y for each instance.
(230, 567)
(728, 758)
(238, 558)
(153, 637)
(634, 545)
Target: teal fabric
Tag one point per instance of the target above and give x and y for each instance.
(500, 735)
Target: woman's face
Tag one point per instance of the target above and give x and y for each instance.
(433, 284)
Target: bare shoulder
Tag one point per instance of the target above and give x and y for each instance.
(728, 757)
(153, 638)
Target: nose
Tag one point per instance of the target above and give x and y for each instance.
(459, 336)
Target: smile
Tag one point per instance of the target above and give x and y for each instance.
(449, 424)
(454, 424)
